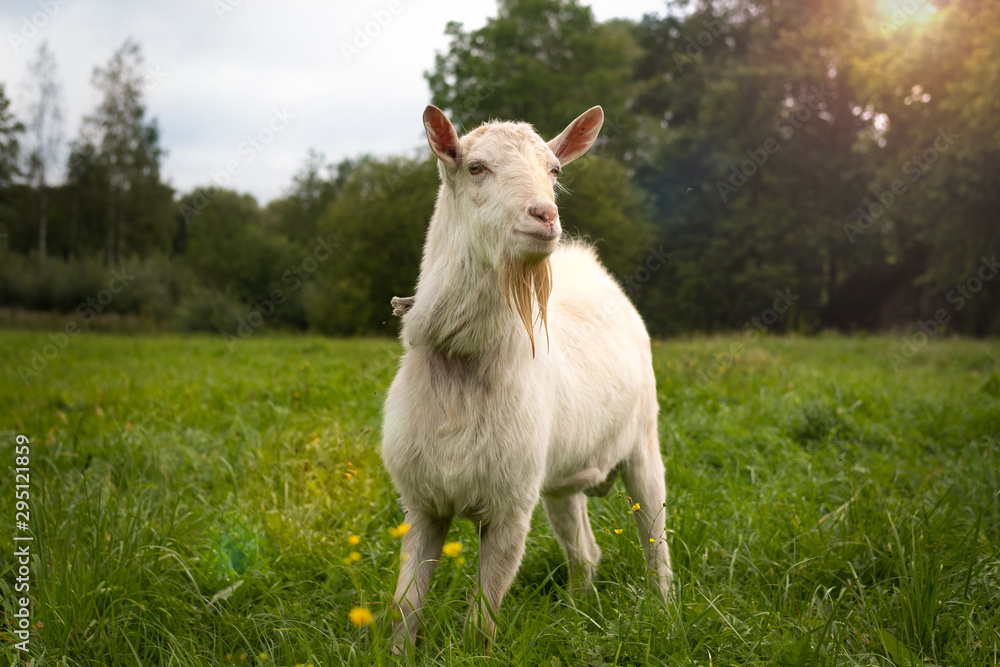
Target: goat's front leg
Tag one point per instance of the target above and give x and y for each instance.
(500, 553)
(418, 557)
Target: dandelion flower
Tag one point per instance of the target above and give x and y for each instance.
(400, 530)
(635, 508)
(354, 540)
(359, 617)
(652, 539)
(618, 531)
(354, 556)
(452, 549)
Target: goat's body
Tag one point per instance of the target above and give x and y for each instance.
(478, 437)
(481, 421)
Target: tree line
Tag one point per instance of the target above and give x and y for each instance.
(837, 152)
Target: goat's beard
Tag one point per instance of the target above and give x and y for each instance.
(522, 284)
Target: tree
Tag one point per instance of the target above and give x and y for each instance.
(122, 151)
(10, 146)
(753, 167)
(297, 214)
(542, 61)
(45, 133)
(940, 139)
(378, 222)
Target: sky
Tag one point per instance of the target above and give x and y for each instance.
(242, 89)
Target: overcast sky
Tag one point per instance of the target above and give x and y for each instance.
(221, 71)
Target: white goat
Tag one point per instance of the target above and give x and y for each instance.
(481, 419)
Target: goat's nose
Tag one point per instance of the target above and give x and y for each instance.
(543, 212)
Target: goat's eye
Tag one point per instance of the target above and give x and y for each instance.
(476, 168)
(556, 171)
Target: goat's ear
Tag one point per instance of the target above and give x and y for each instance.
(579, 136)
(441, 135)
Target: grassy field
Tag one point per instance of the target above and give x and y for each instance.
(195, 506)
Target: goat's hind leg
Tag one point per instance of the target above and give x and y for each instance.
(418, 557)
(568, 516)
(643, 475)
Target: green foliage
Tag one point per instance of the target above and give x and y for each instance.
(541, 61)
(378, 222)
(114, 166)
(10, 145)
(193, 505)
(234, 260)
(941, 90)
(763, 146)
(147, 287)
(601, 203)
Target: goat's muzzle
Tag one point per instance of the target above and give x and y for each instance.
(544, 212)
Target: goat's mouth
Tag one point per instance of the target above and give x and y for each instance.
(546, 236)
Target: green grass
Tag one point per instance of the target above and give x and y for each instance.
(822, 510)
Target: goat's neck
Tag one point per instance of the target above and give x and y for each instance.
(460, 309)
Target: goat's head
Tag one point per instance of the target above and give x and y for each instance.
(499, 181)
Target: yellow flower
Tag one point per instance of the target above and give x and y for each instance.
(652, 539)
(359, 617)
(354, 540)
(460, 561)
(635, 508)
(354, 556)
(452, 549)
(618, 531)
(400, 530)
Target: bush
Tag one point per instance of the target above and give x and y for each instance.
(207, 309)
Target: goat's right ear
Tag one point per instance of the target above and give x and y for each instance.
(441, 135)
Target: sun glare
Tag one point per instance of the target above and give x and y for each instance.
(896, 14)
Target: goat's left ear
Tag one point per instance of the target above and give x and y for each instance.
(579, 136)
(441, 135)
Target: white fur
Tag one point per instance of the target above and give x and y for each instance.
(477, 427)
